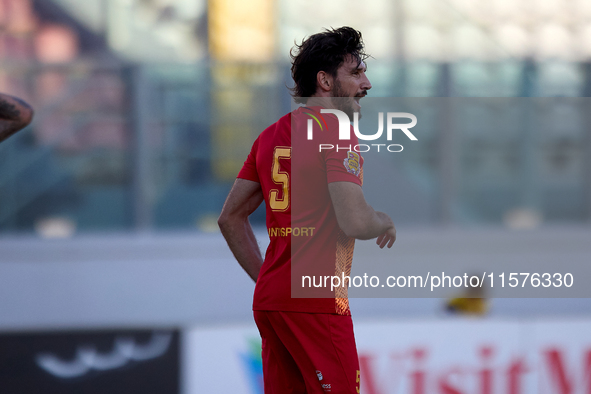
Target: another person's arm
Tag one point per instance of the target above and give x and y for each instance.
(244, 199)
(357, 218)
(15, 114)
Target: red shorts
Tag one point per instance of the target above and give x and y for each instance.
(308, 353)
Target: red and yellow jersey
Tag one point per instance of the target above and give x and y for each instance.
(305, 239)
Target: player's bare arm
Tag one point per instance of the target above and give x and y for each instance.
(244, 199)
(357, 218)
(15, 114)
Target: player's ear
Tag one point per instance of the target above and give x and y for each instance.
(324, 81)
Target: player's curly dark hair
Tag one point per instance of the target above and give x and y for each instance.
(324, 51)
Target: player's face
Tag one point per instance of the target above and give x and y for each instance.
(351, 82)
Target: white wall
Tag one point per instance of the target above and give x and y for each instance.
(188, 279)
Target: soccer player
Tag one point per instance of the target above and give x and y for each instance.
(315, 209)
(15, 114)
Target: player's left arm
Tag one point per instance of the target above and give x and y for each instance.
(15, 114)
(356, 218)
(244, 198)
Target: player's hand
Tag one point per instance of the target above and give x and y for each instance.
(387, 238)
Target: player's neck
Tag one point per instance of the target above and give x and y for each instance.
(320, 101)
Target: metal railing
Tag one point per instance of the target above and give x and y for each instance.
(157, 146)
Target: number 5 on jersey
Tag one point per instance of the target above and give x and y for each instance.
(279, 199)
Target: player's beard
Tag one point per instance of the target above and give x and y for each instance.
(344, 102)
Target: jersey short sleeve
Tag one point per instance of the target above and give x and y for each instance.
(249, 168)
(343, 164)
(344, 167)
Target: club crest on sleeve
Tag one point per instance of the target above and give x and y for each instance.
(352, 163)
